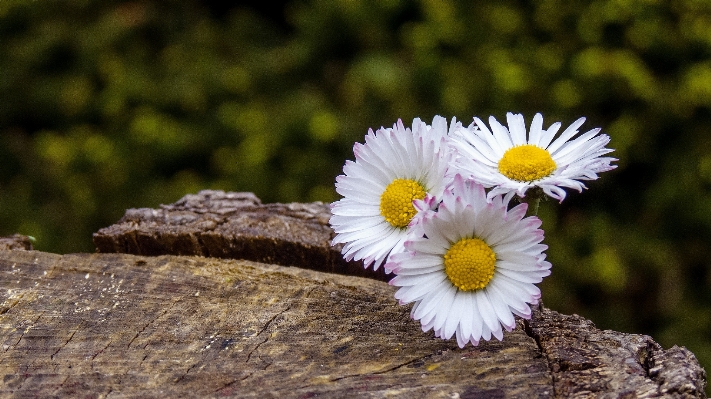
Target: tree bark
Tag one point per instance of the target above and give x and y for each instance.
(234, 226)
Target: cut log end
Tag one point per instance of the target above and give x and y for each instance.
(233, 226)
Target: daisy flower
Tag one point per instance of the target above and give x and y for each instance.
(511, 163)
(475, 267)
(397, 174)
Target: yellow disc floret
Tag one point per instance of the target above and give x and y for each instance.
(526, 163)
(396, 202)
(469, 264)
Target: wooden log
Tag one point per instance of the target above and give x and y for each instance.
(235, 226)
(113, 324)
(103, 325)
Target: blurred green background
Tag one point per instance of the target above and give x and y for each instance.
(109, 105)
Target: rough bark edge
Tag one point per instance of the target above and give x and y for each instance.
(677, 372)
(562, 339)
(15, 242)
(232, 225)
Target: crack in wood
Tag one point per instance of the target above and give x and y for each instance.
(382, 371)
(669, 370)
(151, 322)
(14, 303)
(266, 325)
(400, 366)
(537, 338)
(646, 360)
(17, 342)
(310, 291)
(186, 373)
(225, 386)
(98, 353)
(272, 319)
(67, 342)
(201, 244)
(25, 332)
(249, 355)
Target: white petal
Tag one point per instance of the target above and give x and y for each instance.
(423, 261)
(467, 319)
(477, 320)
(345, 224)
(534, 136)
(456, 311)
(517, 128)
(430, 279)
(571, 131)
(487, 312)
(444, 307)
(519, 276)
(501, 308)
(486, 134)
(548, 134)
(429, 303)
(416, 292)
(348, 207)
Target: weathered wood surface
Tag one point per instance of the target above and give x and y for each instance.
(172, 326)
(235, 226)
(120, 325)
(116, 325)
(587, 362)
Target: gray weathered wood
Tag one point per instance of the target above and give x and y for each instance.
(172, 326)
(116, 325)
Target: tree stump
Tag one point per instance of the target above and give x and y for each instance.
(234, 226)
(112, 324)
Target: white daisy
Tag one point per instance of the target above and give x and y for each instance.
(511, 163)
(392, 169)
(474, 269)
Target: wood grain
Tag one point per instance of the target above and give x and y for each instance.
(287, 317)
(117, 325)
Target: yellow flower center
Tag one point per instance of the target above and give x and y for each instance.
(469, 264)
(396, 202)
(526, 163)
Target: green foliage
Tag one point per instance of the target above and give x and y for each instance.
(111, 105)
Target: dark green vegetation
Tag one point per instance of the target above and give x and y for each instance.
(108, 105)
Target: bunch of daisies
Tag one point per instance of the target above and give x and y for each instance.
(433, 205)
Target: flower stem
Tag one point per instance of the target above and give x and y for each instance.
(533, 199)
(536, 202)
